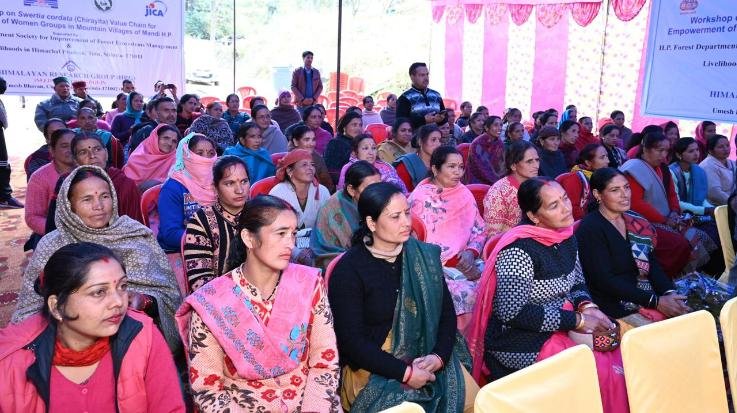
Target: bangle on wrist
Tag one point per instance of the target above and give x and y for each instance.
(586, 305)
(669, 292)
(581, 321)
(442, 363)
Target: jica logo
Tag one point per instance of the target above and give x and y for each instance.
(156, 8)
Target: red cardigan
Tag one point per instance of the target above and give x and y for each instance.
(643, 208)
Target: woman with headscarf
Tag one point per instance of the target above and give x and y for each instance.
(585, 134)
(188, 109)
(273, 139)
(122, 124)
(212, 125)
(284, 112)
(298, 186)
(249, 149)
(80, 220)
(151, 161)
(188, 188)
(302, 137)
(704, 131)
(485, 163)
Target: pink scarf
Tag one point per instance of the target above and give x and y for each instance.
(487, 286)
(194, 172)
(258, 351)
(700, 134)
(147, 162)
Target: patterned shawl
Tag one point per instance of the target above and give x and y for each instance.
(387, 172)
(146, 264)
(336, 222)
(414, 332)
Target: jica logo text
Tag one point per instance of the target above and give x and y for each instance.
(156, 8)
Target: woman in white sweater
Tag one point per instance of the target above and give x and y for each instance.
(720, 171)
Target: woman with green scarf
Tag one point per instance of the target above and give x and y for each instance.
(122, 125)
(393, 316)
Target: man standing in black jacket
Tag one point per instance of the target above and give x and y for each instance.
(421, 104)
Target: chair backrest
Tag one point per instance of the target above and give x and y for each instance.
(116, 157)
(245, 91)
(246, 104)
(150, 202)
(27, 166)
(418, 228)
(356, 84)
(276, 156)
(490, 244)
(263, 186)
(662, 373)
(206, 100)
(450, 104)
(329, 269)
(377, 131)
(463, 148)
(564, 383)
(725, 237)
(479, 193)
(405, 407)
(728, 321)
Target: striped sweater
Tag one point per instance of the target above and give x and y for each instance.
(208, 237)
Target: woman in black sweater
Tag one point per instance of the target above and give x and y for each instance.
(394, 317)
(616, 250)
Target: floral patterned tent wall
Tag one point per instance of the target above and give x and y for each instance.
(540, 54)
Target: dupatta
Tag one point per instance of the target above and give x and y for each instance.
(258, 162)
(487, 287)
(414, 332)
(148, 162)
(258, 351)
(336, 222)
(194, 172)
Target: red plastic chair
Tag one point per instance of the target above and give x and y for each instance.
(329, 270)
(116, 157)
(149, 207)
(276, 156)
(27, 166)
(333, 81)
(418, 228)
(323, 100)
(246, 103)
(463, 148)
(377, 131)
(490, 244)
(356, 84)
(450, 104)
(245, 91)
(479, 193)
(264, 186)
(206, 100)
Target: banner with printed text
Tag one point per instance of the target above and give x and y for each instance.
(101, 42)
(691, 67)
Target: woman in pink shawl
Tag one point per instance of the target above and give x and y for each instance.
(260, 338)
(704, 131)
(533, 293)
(453, 222)
(151, 161)
(189, 187)
(363, 148)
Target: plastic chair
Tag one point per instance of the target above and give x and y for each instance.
(725, 238)
(276, 156)
(728, 321)
(149, 203)
(329, 269)
(333, 81)
(356, 84)
(323, 100)
(206, 100)
(564, 383)
(245, 91)
(27, 167)
(116, 155)
(405, 407)
(377, 131)
(489, 246)
(418, 228)
(246, 103)
(463, 148)
(450, 104)
(263, 187)
(675, 366)
(479, 193)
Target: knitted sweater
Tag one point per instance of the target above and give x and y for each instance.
(533, 282)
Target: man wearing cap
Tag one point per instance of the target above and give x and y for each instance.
(80, 91)
(61, 105)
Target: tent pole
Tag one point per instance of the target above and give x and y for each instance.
(234, 49)
(337, 86)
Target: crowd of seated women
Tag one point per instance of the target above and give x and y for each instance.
(575, 234)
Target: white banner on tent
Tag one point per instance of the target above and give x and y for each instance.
(691, 67)
(101, 42)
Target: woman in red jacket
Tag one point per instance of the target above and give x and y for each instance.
(87, 351)
(654, 197)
